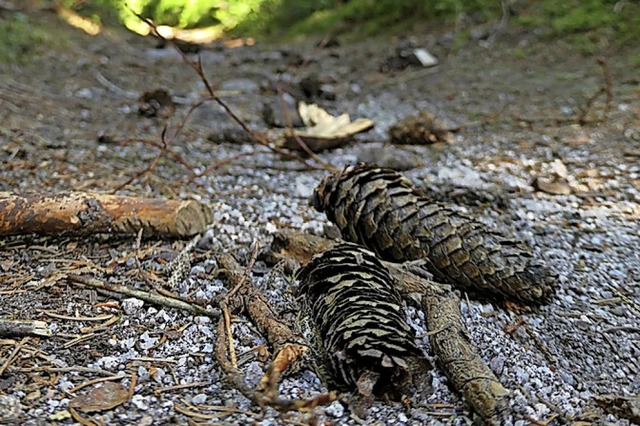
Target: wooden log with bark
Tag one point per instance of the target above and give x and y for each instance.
(81, 214)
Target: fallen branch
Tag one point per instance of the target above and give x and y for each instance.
(155, 299)
(287, 344)
(83, 214)
(450, 340)
(23, 328)
(460, 359)
(291, 350)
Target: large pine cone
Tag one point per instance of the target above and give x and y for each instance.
(360, 319)
(380, 209)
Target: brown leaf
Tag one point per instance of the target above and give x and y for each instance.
(101, 398)
(421, 129)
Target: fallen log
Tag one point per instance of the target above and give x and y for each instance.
(81, 214)
(452, 345)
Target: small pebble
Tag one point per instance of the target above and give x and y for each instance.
(199, 399)
(335, 409)
(131, 305)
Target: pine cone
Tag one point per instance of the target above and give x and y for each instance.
(360, 319)
(380, 209)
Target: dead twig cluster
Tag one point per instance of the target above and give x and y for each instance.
(290, 348)
(164, 145)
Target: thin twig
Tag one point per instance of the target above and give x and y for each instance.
(247, 272)
(227, 329)
(199, 69)
(85, 422)
(72, 369)
(141, 173)
(157, 392)
(23, 328)
(13, 354)
(143, 295)
(94, 381)
(174, 155)
(606, 89)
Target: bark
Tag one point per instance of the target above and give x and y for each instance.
(287, 343)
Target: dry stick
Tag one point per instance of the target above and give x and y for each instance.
(257, 307)
(289, 346)
(143, 295)
(72, 369)
(247, 273)
(608, 84)
(94, 381)
(198, 68)
(132, 385)
(232, 375)
(86, 213)
(164, 147)
(229, 333)
(459, 358)
(452, 345)
(141, 173)
(23, 328)
(225, 304)
(174, 155)
(77, 417)
(217, 165)
(157, 392)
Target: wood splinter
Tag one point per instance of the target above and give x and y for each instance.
(80, 214)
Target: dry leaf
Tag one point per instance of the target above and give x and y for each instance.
(421, 129)
(324, 131)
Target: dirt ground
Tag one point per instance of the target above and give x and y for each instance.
(69, 120)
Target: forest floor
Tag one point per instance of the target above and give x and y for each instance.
(69, 120)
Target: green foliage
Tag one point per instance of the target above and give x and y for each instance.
(579, 15)
(586, 22)
(578, 20)
(366, 17)
(19, 38)
(175, 13)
